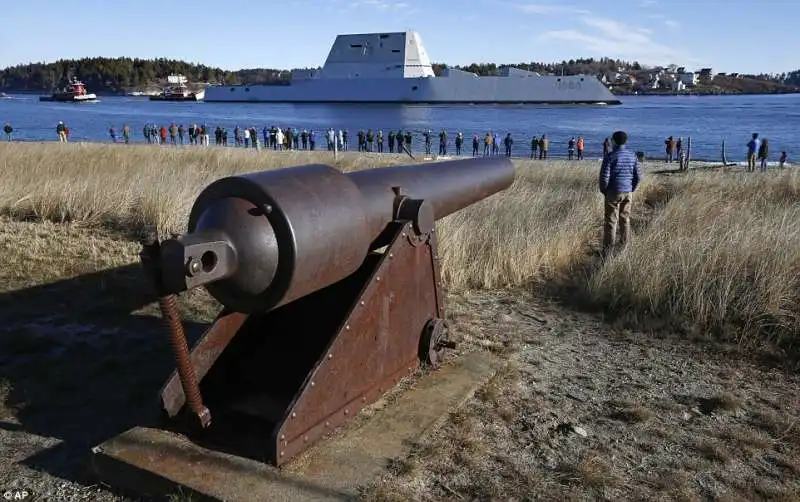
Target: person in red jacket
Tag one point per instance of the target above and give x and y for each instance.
(163, 134)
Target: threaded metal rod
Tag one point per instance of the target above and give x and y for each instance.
(180, 349)
(172, 322)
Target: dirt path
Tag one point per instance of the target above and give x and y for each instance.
(587, 412)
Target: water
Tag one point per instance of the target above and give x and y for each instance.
(647, 119)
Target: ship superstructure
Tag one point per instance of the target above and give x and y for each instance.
(395, 68)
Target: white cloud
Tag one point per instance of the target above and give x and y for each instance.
(612, 38)
(379, 4)
(669, 23)
(547, 8)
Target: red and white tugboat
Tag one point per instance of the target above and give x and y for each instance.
(75, 92)
(178, 91)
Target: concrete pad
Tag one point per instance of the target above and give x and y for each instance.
(152, 461)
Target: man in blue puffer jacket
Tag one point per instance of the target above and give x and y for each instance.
(620, 175)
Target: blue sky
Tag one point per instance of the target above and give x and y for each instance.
(729, 35)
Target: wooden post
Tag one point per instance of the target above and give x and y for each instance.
(724, 155)
(685, 166)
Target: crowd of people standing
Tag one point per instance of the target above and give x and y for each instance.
(400, 141)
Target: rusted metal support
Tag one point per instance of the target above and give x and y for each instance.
(151, 256)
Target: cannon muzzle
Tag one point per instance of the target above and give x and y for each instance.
(260, 240)
(331, 289)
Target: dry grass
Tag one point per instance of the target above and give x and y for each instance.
(718, 251)
(723, 254)
(713, 251)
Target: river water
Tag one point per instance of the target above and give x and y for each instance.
(648, 120)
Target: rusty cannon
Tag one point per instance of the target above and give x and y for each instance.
(331, 293)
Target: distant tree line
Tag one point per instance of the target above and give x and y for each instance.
(588, 66)
(119, 75)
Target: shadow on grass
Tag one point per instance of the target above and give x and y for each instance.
(78, 366)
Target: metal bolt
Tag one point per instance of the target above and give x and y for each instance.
(194, 267)
(313, 384)
(305, 439)
(294, 414)
(347, 326)
(363, 399)
(327, 424)
(391, 255)
(404, 234)
(362, 302)
(282, 454)
(267, 208)
(330, 356)
(283, 436)
(378, 278)
(346, 412)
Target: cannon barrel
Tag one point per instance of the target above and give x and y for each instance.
(260, 240)
(447, 186)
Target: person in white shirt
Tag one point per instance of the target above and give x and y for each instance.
(331, 138)
(279, 138)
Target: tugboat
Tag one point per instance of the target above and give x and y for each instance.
(178, 91)
(75, 92)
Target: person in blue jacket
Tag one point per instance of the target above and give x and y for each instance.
(620, 176)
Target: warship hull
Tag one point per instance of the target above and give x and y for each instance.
(426, 90)
(395, 68)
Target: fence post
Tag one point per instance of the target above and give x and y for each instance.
(724, 155)
(685, 166)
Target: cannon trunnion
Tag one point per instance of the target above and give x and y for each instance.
(331, 293)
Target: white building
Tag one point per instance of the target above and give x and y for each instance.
(688, 78)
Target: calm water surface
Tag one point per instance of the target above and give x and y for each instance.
(648, 120)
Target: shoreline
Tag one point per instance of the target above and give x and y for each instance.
(418, 156)
(11, 93)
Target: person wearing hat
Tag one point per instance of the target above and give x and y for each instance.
(620, 176)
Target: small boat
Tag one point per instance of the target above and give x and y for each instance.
(75, 92)
(178, 91)
(4, 96)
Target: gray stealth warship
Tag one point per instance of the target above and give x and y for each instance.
(395, 68)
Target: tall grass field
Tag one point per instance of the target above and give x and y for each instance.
(716, 252)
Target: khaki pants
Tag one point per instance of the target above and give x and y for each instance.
(751, 161)
(617, 214)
